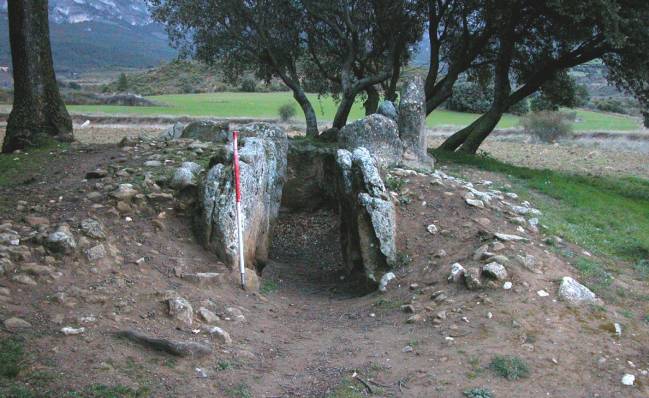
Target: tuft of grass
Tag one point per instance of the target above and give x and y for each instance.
(605, 215)
(510, 367)
(595, 274)
(394, 184)
(223, 365)
(239, 391)
(478, 392)
(268, 286)
(346, 389)
(11, 357)
(642, 268)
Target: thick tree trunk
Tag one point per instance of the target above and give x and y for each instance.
(480, 130)
(38, 110)
(372, 102)
(309, 113)
(342, 113)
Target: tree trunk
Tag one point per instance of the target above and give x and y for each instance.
(372, 102)
(481, 129)
(38, 111)
(309, 113)
(342, 113)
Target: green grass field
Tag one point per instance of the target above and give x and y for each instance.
(265, 105)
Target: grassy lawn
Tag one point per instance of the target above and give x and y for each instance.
(265, 105)
(606, 216)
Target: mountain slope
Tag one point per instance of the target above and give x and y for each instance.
(98, 34)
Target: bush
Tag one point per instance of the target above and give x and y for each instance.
(122, 83)
(541, 103)
(546, 126)
(74, 86)
(509, 367)
(610, 105)
(11, 357)
(248, 86)
(478, 393)
(520, 108)
(469, 97)
(286, 112)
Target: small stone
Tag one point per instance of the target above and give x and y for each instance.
(96, 174)
(407, 349)
(96, 252)
(221, 335)
(235, 314)
(208, 316)
(16, 324)
(35, 221)
(441, 253)
(61, 241)
(543, 293)
(432, 229)
(529, 262)
(408, 308)
(457, 272)
(574, 292)
(510, 238)
(385, 280)
(70, 331)
(483, 221)
(124, 192)
(441, 315)
(152, 163)
(181, 309)
(472, 278)
(93, 228)
(417, 318)
(475, 203)
(628, 379)
(24, 279)
(507, 285)
(495, 270)
(497, 246)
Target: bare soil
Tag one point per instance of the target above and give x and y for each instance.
(311, 329)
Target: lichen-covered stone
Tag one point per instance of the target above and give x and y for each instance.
(412, 123)
(262, 154)
(378, 134)
(387, 109)
(367, 215)
(207, 130)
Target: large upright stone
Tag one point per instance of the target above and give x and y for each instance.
(367, 215)
(262, 157)
(378, 134)
(206, 130)
(412, 123)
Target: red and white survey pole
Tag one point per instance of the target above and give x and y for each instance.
(237, 187)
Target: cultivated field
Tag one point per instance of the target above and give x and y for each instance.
(265, 105)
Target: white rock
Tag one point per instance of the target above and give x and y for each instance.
(70, 331)
(543, 293)
(507, 285)
(475, 203)
(510, 238)
(574, 292)
(385, 280)
(457, 273)
(222, 335)
(181, 309)
(628, 379)
(432, 229)
(495, 270)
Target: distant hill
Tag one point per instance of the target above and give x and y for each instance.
(98, 34)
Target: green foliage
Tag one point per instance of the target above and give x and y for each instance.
(239, 391)
(223, 365)
(478, 392)
(546, 126)
(287, 112)
(607, 215)
(122, 83)
(394, 183)
(469, 97)
(594, 272)
(248, 85)
(642, 268)
(509, 367)
(268, 286)
(103, 391)
(610, 105)
(11, 357)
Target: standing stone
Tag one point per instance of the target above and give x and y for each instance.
(378, 134)
(206, 130)
(412, 123)
(263, 173)
(387, 109)
(368, 226)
